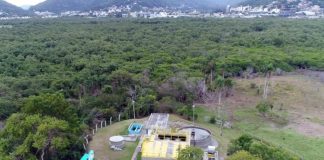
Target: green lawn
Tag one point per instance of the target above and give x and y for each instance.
(100, 142)
(307, 147)
(249, 121)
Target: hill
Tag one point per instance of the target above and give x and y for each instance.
(7, 9)
(68, 5)
(62, 5)
(265, 2)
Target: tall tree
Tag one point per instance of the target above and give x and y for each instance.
(219, 86)
(34, 137)
(53, 105)
(267, 69)
(190, 153)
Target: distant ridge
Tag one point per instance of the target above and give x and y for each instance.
(63, 5)
(73, 5)
(265, 2)
(8, 9)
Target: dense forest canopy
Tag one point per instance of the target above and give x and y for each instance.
(93, 68)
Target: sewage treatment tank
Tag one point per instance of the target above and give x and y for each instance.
(117, 142)
(200, 137)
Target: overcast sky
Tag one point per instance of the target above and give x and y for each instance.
(24, 2)
(33, 2)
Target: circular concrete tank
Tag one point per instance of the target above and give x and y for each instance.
(117, 141)
(200, 137)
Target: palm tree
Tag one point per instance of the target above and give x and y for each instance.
(267, 70)
(219, 85)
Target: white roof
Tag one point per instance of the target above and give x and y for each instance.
(116, 139)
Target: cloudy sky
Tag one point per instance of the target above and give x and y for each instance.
(24, 2)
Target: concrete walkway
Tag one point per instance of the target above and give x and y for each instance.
(138, 148)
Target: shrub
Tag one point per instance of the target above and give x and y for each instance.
(186, 111)
(212, 120)
(242, 155)
(269, 152)
(191, 153)
(256, 147)
(242, 143)
(252, 85)
(264, 107)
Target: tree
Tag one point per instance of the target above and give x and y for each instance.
(7, 107)
(267, 69)
(145, 104)
(243, 155)
(190, 153)
(210, 69)
(35, 137)
(228, 86)
(53, 105)
(260, 148)
(219, 85)
(242, 143)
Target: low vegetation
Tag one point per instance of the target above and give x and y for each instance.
(191, 153)
(260, 148)
(242, 155)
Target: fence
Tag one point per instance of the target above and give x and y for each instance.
(98, 126)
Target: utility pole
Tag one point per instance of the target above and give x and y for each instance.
(193, 120)
(193, 114)
(133, 102)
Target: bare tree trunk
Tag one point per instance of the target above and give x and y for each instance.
(211, 77)
(259, 87)
(43, 153)
(221, 132)
(265, 86)
(80, 95)
(219, 98)
(266, 89)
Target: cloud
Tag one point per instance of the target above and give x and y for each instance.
(24, 2)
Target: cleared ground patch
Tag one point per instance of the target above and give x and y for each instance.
(100, 142)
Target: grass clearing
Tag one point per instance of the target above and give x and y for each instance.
(100, 142)
(306, 147)
(249, 121)
(298, 108)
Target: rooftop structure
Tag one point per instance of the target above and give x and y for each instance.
(156, 121)
(164, 144)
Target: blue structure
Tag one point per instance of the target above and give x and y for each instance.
(85, 156)
(135, 129)
(88, 156)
